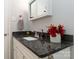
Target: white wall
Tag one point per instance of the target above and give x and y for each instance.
(20, 7)
(63, 14)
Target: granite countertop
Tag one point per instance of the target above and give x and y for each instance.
(44, 48)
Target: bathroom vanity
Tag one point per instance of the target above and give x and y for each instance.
(37, 49)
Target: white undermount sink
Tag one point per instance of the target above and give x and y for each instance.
(29, 38)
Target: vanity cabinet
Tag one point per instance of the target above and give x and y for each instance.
(63, 54)
(41, 8)
(22, 52)
(18, 54)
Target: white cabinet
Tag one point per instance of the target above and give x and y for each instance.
(63, 54)
(44, 7)
(72, 52)
(41, 8)
(26, 57)
(18, 54)
(21, 52)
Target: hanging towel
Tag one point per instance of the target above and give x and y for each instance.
(20, 24)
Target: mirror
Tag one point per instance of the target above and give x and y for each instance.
(32, 3)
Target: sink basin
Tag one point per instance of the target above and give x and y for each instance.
(29, 38)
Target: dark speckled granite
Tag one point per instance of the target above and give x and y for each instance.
(40, 48)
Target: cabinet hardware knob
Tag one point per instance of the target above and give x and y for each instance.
(5, 34)
(31, 17)
(44, 10)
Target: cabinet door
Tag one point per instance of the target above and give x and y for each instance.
(21, 52)
(63, 54)
(42, 7)
(17, 54)
(26, 57)
(14, 54)
(34, 9)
